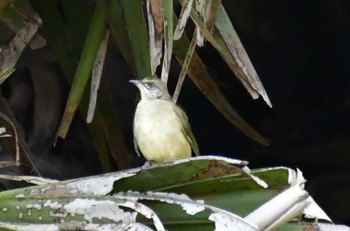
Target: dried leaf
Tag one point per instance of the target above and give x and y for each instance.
(157, 13)
(232, 41)
(29, 179)
(185, 66)
(3, 133)
(280, 209)
(18, 145)
(4, 164)
(155, 29)
(10, 54)
(15, 17)
(200, 10)
(185, 13)
(223, 50)
(211, 9)
(168, 39)
(96, 77)
(9, 121)
(206, 84)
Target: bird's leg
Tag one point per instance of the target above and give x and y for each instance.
(148, 164)
(168, 162)
(151, 163)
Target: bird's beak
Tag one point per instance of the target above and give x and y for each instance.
(136, 82)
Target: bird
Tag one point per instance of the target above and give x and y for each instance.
(161, 128)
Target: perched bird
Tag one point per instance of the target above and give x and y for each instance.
(161, 128)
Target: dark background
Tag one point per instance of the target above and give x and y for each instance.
(300, 50)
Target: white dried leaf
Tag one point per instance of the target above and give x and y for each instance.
(154, 41)
(314, 211)
(185, 160)
(29, 179)
(190, 206)
(99, 209)
(10, 54)
(280, 209)
(31, 227)
(117, 226)
(2, 130)
(259, 181)
(296, 178)
(9, 121)
(330, 227)
(225, 222)
(201, 11)
(168, 44)
(96, 74)
(185, 13)
(98, 186)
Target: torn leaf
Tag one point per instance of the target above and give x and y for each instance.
(185, 13)
(168, 38)
(233, 43)
(280, 209)
(201, 11)
(155, 29)
(10, 55)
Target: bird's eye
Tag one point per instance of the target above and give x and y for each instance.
(149, 85)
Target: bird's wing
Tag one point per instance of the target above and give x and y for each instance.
(186, 129)
(136, 146)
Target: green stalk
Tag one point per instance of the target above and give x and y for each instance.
(82, 74)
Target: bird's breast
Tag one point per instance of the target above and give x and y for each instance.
(158, 131)
(156, 115)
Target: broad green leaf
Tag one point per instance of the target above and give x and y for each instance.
(138, 36)
(115, 199)
(120, 33)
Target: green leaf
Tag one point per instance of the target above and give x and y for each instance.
(138, 36)
(82, 74)
(180, 195)
(119, 30)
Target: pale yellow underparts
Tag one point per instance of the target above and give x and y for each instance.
(158, 131)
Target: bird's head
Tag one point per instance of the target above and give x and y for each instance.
(151, 88)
